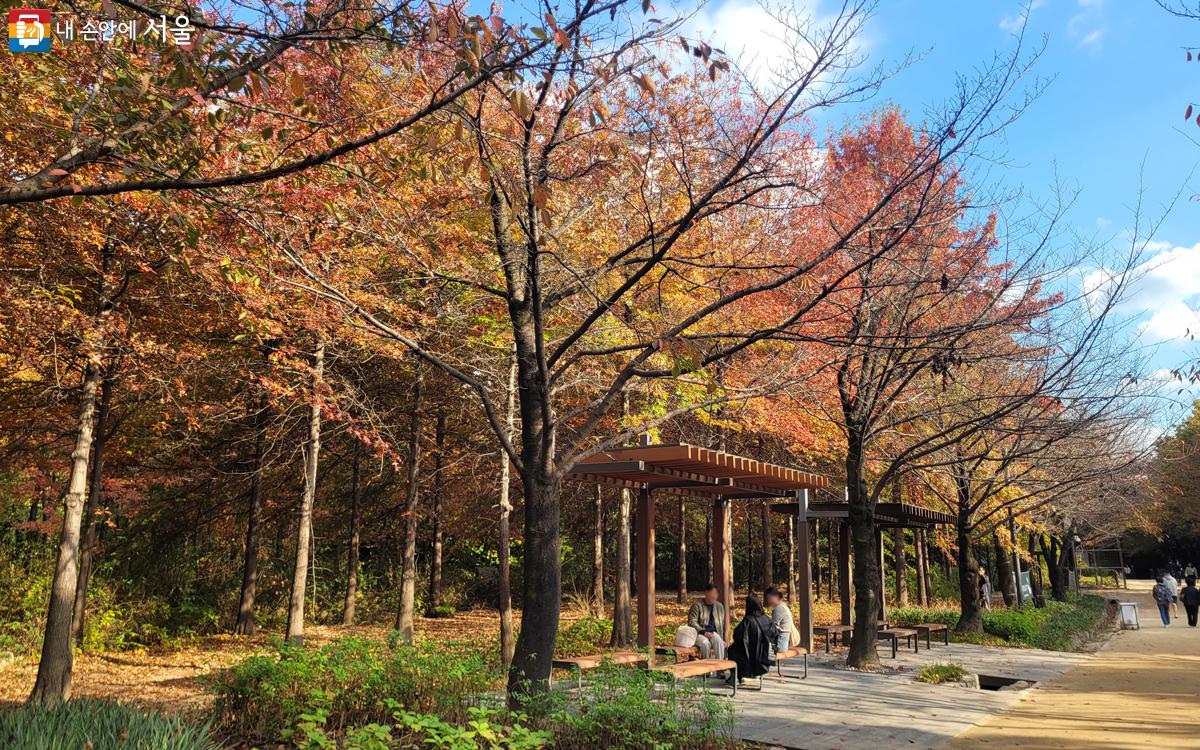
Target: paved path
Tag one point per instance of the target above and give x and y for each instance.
(1141, 690)
(836, 709)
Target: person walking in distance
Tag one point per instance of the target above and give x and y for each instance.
(1190, 596)
(1162, 597)
(1172, 585)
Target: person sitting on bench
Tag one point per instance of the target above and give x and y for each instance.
(707, 616)
(752, 640)
(781, 617)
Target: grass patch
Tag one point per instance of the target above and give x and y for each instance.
(99, 725)
(1059, 626)
(939, 673)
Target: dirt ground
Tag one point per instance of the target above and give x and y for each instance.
(175, 678)
(1141, 690)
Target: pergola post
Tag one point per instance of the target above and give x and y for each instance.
(804, 592)
(844, 572)
(645, 568)
(722, 546)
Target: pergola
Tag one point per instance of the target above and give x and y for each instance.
(708, 474)
(720, 477)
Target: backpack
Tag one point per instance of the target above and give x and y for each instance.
(1160, 594)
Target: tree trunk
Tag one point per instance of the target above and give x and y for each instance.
(866, 573)
(681, 594)
(53, 682)
(439, 488)
(831, 579)
(708, 550)
(816, 556)
(971, 620)
(1004, 572)
(622, 631)
(901, 556)
(925, 574)
(312, 455)
(245, 618)
(768, 558)
(598, 552)
(791, 558)
(348, 607)
(508, 641)
(95, 496)
(1035, 575)
(919, 552)
(408, 567)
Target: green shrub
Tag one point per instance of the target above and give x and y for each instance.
(99, 725)
(633, 708)
(351, 680)
(486, 728)
(583, 636)
(937, 673)
(902, 617)
(1014, 625)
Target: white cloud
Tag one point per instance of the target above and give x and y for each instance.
(1014, 22)
(751, 34)
(1163, 293)
(1087, 26)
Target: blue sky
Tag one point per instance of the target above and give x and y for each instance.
(1111, 117)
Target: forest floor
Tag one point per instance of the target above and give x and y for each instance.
(1141, 690)
(175, 677)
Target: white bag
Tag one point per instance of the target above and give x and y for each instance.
(685, 636)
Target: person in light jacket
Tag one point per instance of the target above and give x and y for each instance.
(707, 616)
(781, 617)
(1173, 588)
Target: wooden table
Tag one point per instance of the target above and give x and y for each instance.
(895, 634)
(831, 632)
(926, 628)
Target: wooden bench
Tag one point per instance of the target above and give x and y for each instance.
(699, 668)
(581, 664)
(681, 653)
(895, 634)
(926, 628)
(831, 632)
(791, 653)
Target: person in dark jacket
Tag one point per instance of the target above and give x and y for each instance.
(1190, 596)
(752, 639)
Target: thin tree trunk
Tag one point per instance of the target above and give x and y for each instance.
(95, 496)
(622, 632)
(708, 550)
(768, 557)
(831, 579)
(901, 556)
(312, 455)
(439, 488)
(408, 569)
(1004, 573)
(598, 552)
(681, 594)
(919, 551)
(1035, 575)
(245, 619)
(53, 682)
(818, 573)
(508, 641)
(349, 606)
(791, 558)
